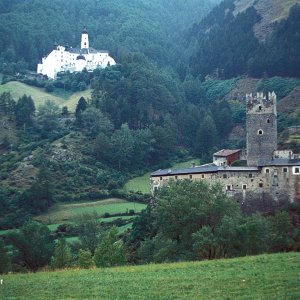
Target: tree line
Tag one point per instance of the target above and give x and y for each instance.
(185, 221)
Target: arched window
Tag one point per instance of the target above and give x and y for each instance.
(260, 132)
(268, 121)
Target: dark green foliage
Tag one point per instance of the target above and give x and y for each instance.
(48, 117)
(110, 251)
(81, 106)
(5, 263)
(24, 111)
(93, 120)
(281, 86)
(39, 197)
(89, 231)
(194, 220)
(85, 259)
(227, 46)
(7, 104)
(33, 244)
(139, 26)
(206, 136)
(62, 254)
(282, 48)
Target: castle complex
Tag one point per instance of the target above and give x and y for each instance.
(64, 58)
(270, 175)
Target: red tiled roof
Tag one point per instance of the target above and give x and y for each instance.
(226, 152)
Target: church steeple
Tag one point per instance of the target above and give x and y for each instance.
(84, 39)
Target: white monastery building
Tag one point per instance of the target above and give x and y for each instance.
(64, 58)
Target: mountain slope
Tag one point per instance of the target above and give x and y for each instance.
(230, 39)
(151, 28)
(271, 11)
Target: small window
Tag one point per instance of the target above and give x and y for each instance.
(191, 176)
(260, 132)
(160, 178)
(224, 175)
(244, 186)
(259, 108)
(268, 121)
(229, 187)
(285, 170)
(267, 171)
(202, 176)
(250, 175)
(176, 177)
(260, 185)
(297, 170)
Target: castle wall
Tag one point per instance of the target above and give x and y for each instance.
(279, 183)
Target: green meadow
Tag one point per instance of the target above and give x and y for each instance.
(39, 96)
(273, 276)
(142, 183)
(62, 212)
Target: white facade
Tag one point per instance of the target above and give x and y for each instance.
(74, 60)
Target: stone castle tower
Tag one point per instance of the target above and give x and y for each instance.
(261, 127)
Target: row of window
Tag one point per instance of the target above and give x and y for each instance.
(229, 187)
(285, 170)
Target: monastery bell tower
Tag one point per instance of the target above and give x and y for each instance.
(84, 39)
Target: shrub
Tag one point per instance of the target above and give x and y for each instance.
(85, 259)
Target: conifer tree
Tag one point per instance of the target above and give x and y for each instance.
(110, 252)
(62, 254)
(5, 263)
(25, 109)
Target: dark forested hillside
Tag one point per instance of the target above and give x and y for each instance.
(28, 29)
(177, 93)
(227, 43)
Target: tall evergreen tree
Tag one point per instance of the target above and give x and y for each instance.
(25, 110)
(62, 254)
(5, 263)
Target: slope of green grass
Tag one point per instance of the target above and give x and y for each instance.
(273, 276)
(18, 89)
(61, 213)
(142, 183)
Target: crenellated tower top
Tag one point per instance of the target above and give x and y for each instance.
(262, 103)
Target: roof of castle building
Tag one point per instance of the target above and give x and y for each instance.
(279, 162)
(85, 50)
(208, 168)
(226, 152)
(80, 57)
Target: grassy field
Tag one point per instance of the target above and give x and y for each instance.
(142, 183)
(61, 213)
(18, 89)
(273, 276)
